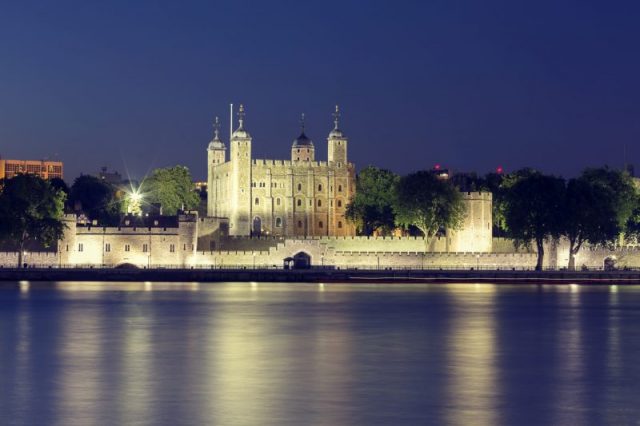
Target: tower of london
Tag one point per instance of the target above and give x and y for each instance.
(300, 197)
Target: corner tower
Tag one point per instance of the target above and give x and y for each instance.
(240, 217)
(216, 153)
(337, 142)
(302, 148)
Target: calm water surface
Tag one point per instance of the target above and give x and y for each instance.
(309, 354)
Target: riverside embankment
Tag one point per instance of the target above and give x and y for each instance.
(321, 275)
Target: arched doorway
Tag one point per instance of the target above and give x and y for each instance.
(256, 229)
(301, 260)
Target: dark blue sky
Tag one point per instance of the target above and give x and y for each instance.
(469, 84)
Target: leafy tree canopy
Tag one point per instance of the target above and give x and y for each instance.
(30, 210)
(172, 188)
(372, 207)
(533, 209)
(598, 207)
(96, 198)
(429, 203)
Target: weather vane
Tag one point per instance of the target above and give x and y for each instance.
(216, 128)
(336, 116)
(241, 115)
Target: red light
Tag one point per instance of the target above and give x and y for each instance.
(437, 167)
(499, 170)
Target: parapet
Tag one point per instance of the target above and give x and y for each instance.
(477, 195)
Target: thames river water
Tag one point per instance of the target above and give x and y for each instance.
(314, 354)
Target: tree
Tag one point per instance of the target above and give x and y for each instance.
(172, 188)
(58, 183)
(372, 207)
(429, 203)
(533, 210)
(96, 198)
(598, 207)
(30, 210)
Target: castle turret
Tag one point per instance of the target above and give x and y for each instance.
(337, 142)
(216, 153)
(240, 217)
(302, 148)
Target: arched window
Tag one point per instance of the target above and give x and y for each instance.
(319, 203)
(339, 224)
(277, 201)
(339, 188)
(257, 201)
(278, 222)
(299, 187)
(320, 224)
(339, 203)
(319, 187)
(299, 224)
(299, 202)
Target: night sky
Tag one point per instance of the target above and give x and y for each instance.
(469, 84)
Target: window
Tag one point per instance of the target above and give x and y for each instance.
(319, 188)
(339, 224)
(107, 247)
(80, 247)
(319, 203)
(278, 222)
(299, 187)
(67, 247)
(339, 188)
(127, 247)
(185, 247)
(145, 248)
(172, 248)
(277, 201)
(257, 201)
(339, 203)
(320, 224)
(299, 224)
(299, 202)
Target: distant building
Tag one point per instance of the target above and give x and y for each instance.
(111, 177)
(44, 169)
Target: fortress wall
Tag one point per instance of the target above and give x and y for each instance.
(413, 260)
(45, 258)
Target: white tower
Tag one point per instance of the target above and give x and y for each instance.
(337, 142)
(216, 153)
(240, 217)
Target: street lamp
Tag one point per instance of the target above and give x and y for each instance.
(135, 201)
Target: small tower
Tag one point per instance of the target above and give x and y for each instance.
(216, 150)
(302, 148)
(240, 217)
(216, 153)
(337, 142)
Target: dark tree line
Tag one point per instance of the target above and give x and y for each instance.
(385, 201)
(599, 207)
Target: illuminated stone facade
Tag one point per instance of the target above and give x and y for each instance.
(297, 197)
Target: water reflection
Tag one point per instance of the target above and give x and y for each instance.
(256, 353)
(473, 388)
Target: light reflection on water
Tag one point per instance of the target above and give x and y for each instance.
(256, 353)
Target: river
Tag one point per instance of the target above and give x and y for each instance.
(318, 354)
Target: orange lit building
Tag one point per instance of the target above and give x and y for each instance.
(44, 169)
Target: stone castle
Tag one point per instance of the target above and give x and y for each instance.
(261, 212)
(300, 197)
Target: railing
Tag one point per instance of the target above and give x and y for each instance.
(258, 266)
